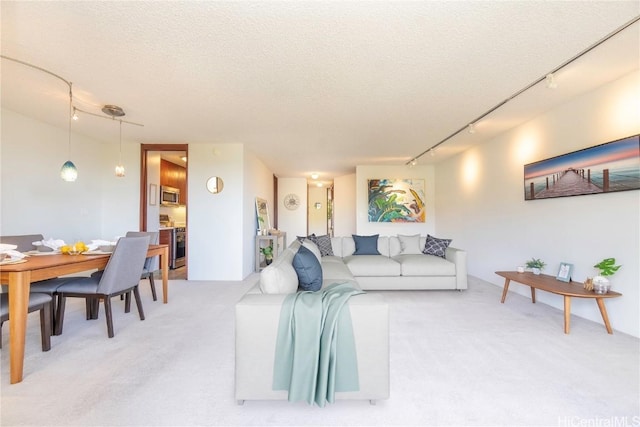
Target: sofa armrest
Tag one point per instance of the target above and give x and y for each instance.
(459, 258)
(256, 327)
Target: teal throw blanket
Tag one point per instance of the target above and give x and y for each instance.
(315, 350)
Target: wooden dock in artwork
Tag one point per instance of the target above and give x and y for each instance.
(569, 184)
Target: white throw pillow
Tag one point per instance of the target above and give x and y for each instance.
(313, 248)
(279, 278)
(410, 244)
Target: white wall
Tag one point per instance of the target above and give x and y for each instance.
(215, 221)
(258, 182)
(480, 203)
(344, 205)
(36, 200)
(364, 173)
(293, 222)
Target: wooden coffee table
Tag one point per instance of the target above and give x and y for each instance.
(567, 289)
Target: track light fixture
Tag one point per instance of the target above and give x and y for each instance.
(548, 78)
(471, 128)
(120, 167)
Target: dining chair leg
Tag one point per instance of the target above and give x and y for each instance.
(60, 310)
(136, 293)
(1, 334)
(127, 302)
(153, 287)
(45, 326)
(107, 309)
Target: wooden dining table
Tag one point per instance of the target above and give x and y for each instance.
(19, 276)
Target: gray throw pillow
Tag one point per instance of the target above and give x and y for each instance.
(308, 269)
(324, 244)
(366, 245)
(435, 246)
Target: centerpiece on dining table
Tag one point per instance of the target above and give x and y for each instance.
(75, 249)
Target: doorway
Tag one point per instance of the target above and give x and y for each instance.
(151, 184)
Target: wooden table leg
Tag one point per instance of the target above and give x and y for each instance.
(19, 283)
(567, 313)
(533, 295)
(164, 263)
(505, 290)
(605, 317)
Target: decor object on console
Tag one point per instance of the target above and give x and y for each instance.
(267, 251)
(605, 168)
(536, 265)
(262, 211)
(607, 267)
(564, 272)
(396, 200)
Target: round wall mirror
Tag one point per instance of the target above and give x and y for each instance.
(215, 184)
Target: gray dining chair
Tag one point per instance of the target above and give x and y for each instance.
(37, 302)
(24, 243)
(120, 276)
(151, 263)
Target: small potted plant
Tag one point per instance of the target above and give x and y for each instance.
(607, 267)
(267, 251)
(536, 265)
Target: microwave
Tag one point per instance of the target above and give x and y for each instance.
(169, 196)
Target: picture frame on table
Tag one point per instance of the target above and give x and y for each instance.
(564, 272)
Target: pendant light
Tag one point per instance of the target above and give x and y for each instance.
(69, 172)
(120, 167)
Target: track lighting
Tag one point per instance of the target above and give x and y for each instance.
(120, 167)
(75, 114)
(413, 162)
(432, 152)
(314, 176)
(551, 81)
(471, 128)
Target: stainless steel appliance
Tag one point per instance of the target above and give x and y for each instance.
(169, 196)
(179, 247)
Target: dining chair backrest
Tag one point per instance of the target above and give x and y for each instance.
(24, 242)
(125, 265)
(151, 263)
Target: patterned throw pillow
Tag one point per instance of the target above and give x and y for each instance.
(435, 246)
(324, 244)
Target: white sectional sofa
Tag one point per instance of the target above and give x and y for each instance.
(393, 269)
(257, 314)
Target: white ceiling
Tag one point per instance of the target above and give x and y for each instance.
(316, 86)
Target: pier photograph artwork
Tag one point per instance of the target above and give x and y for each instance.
(606, 168)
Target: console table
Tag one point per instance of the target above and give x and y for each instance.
(277, 241)
(567, 289)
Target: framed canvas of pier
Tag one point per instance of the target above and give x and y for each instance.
(396, 200)
(606, 168)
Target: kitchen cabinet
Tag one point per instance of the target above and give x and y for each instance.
(175, 176)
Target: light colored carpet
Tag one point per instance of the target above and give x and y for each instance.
(457, 358)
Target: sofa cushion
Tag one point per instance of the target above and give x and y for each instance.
(308, 269)
(425, 265)
(435, 246)
(366, 245)
(372, 265)
(410, 245)
(334, 270)
(280, 277)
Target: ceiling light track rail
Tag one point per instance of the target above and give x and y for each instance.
(431, 149)
(37, 68)
(107, 117)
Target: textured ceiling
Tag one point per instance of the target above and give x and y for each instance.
(309, 86)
